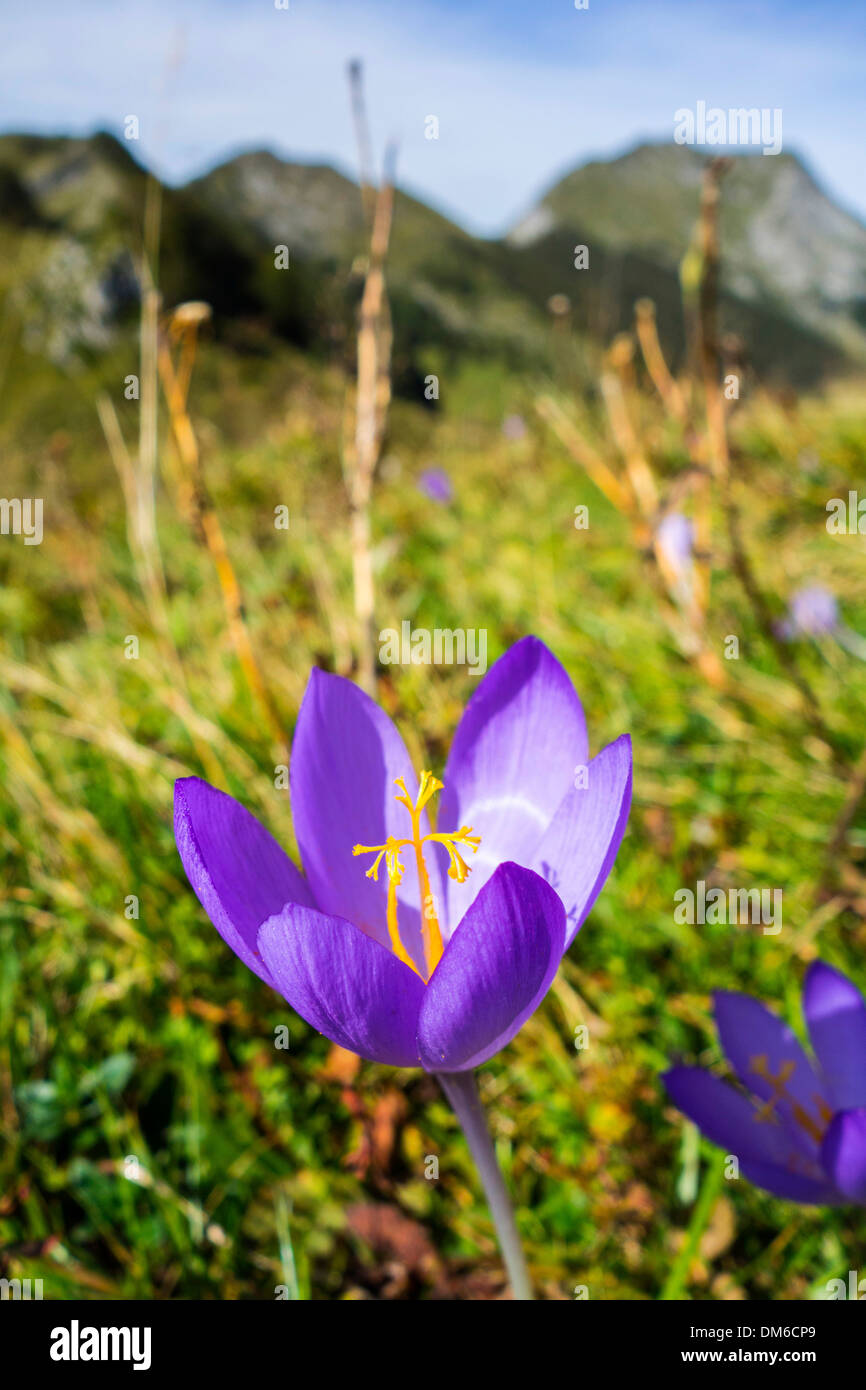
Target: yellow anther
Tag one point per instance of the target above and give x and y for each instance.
(373, 871)
(427, 788)
(459, 870)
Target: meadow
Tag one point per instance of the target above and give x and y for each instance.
(156, 1144)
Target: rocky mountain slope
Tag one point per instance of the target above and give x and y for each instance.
(787, 247)
(72, 211)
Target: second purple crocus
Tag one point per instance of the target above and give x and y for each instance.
(800, 1129)
(436, 485)
(676, 540)
(812, 612)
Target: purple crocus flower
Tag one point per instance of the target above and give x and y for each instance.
(812, 611)
(801, 1132)
(514, 427)
(417, 961)
(676, 538)
(436, 484)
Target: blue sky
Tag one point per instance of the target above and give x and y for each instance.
(522, 91)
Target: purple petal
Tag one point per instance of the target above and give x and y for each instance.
(345, 757)
(729, 1119)
(766, 1153)
(676, 535)
(436, 484)
(811, 1191)
(494, 972)
(512, 761)
(239, 873)
(356, 992)
(843, 1153)
(836, 1014)
(755, 1039)
(577, 853)
(813, 610)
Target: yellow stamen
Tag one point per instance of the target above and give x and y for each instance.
(458, 869)
(779, 1083)
(390, 852)
(431, 933)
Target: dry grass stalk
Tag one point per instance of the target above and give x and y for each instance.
(146, 463)
(196, 503)
(668, 388)
(583, 453)
(362, 448)
(850, 807)
(362, 139)
(138, 475)
(718, 453)
(614, 381)
(154, 593)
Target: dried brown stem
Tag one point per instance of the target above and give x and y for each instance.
(844, 821)
(637, 466)
(363, 446)
(583, 453)
(764, 617)
(717, 445)
(362, 139)
(196, 501)
(660, 375)
(146, 463)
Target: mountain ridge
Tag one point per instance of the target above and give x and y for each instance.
(793, 261)
(782, 237)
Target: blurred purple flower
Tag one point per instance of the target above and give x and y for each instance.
(801, 1132)
(514, 427)
(436, 484)
(811, 612)
(676, 539)
(413, 966)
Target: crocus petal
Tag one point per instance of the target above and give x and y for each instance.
(494, 972)
(346, 755)
(836, 1014)
(729, 1119)
(843, 1153)
(794, 1187)
(239, 873)
(345, 984)
(578, 850)
(766, 1154)
(753, 1037)
(512, 761)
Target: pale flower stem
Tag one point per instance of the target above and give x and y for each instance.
(461, 1089)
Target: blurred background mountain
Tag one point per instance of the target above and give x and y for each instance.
(72, 209)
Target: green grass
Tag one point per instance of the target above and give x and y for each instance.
(156, 1143)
